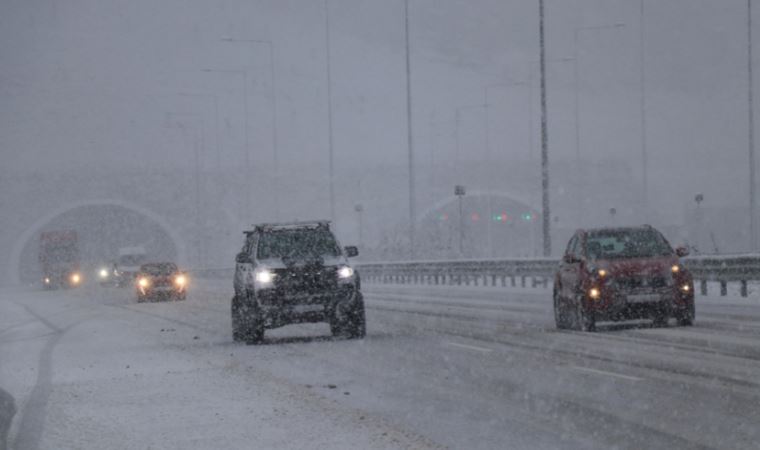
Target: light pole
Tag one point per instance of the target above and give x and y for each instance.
(576, 53)
(643, 108)
(273, 102)
(698, 199)
(409, 137)
(545, 207)
(359, 209)
(751, 118)
(330, 148)
(460, 191)
(247, 155)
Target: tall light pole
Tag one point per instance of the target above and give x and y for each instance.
(247, 156)
(545, 207)
(409, 137)
(643, 108)
(330, 149)
(273, 102)
(750, 99)
(576, 57)
(359, 209)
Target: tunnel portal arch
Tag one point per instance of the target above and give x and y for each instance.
(14, 274)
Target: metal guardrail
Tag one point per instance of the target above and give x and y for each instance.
(530, 271)
(538, 271)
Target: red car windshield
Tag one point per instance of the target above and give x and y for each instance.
(621, 244)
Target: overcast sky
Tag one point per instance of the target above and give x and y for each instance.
(88, 83)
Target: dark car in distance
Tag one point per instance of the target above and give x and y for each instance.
(616, 274)
(163, 280)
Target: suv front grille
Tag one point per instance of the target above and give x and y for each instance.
(641, 283)
(305, 280)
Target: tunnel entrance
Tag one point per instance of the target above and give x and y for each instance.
(102, 229)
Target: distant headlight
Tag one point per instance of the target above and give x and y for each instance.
(602, 273)
(675, 268)
(47, 280)
(345, 272)
(685, 288)
(143, 282)
(594, 293)
(180, 280)
(264, 276)
(76, 278)
(103, 273)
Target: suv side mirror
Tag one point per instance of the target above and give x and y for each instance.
(352, 251)
(682, 251)
(243, 258)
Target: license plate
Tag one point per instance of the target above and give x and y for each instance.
(644, 298)
(307, 308)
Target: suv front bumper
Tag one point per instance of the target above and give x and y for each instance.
(277, 309)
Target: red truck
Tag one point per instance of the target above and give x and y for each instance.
(59, 259)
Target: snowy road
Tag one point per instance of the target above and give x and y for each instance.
(441, 367)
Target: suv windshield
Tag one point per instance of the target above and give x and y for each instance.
(617, 244)
(159, 269)
(297, 243)
(131, 260)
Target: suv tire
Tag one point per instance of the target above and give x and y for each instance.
(354, 324)
(246, 327)
(686, 318)
(560, 318)
(584, 321)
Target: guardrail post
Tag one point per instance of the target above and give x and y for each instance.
(703, 287)
(513, 281)
(744, 288)
(493, 280)
(503, 281)
(723, 288)
(522, 281)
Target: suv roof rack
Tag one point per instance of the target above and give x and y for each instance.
(289, 225)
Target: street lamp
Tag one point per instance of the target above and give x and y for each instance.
(545, 205)
(330, 148)
(460, 191)
(359, 209)
(273, 100)
(409, 133)
(751, 118)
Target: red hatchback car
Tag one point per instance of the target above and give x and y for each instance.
(614, 274)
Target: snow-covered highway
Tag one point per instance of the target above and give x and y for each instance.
(440, 367)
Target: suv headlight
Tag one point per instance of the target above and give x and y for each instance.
(345, 272)
(264, 276)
